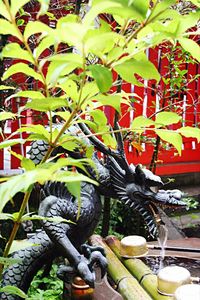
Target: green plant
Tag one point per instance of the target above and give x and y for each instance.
(46, 288)
(72, 86)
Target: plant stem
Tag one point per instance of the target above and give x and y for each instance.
(16, 226)
(73, 114)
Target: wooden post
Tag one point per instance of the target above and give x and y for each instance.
(127, 285)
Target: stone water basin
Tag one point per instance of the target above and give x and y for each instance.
(191, 264)
(187, 256)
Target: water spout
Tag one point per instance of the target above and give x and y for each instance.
(162, 241)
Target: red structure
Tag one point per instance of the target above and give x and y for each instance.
(186, 101)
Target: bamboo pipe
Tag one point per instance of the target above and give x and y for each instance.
(138, 269)
(127, 285)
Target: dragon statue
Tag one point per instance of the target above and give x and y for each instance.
(117, 179)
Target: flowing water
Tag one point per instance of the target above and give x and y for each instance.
(156, 263)
(162, 241)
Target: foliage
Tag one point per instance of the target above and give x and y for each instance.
(48, 287)
(72, 86)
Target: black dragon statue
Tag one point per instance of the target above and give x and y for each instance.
(117, 179)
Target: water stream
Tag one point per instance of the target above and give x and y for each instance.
(156, 263)
(162, 241)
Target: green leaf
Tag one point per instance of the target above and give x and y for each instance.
(21, 68)
(4, 216)
(37, 27)
(27, 164)
(109, 140)
(70, 88)
(9, 261)
(7, 28)
(190, 132)
(144, 68)
(44, 44)
(41, 174)
(56, 69)
(140, 6)
(5, 115)
(20, 244)
(187, 21)
(75, 34)
(69, 145)
(115, 53)
(28, 94)
(135, 10)
(38, 129)
(191, 46)
(16, 5)
(10, 289)
(160, 8)
(9, 143)
(98, 9)
(3, 11)
(21, 183)
(102, 76)
(99, 43)
(17, 155)
(56, 219)
(68, 57)
(63, 114)
(140, 123)
(75, 189)
(171, 137)
(167, 118)
(5, 87)
(110, 100)
(69, 18)
(196, 2)
(46, 104)
(67, 177)
(89, 90)
(20, 22)
(99, 117)
(14, 50)
(44, 6)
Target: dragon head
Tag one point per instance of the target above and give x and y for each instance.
(132, 185)
(139, 189)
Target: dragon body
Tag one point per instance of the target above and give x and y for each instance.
(117, 179)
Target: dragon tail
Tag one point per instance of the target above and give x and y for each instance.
(31, 259)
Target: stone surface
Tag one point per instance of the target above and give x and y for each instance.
(190, 243)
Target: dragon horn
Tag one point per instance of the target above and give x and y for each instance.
(118, 155)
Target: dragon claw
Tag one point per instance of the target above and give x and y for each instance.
(86, 250)
(85, 272)
(96, 256)
(99, 260)
(66, 273)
